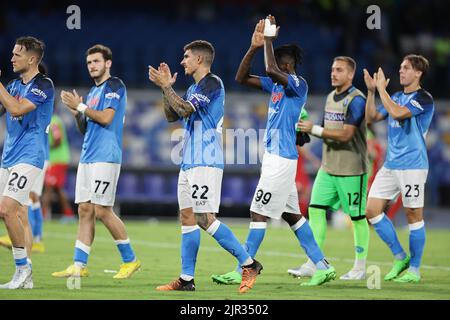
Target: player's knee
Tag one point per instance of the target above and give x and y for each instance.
(3, 213)
(187, 217)
(372, 212)
(85, 211)
(414, 214)
(204, 220)
(256, 217)
(291, 218)
(102, 212)
(34, 197)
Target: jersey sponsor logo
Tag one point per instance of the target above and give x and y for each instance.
(196, 98)
(276, 96)
(334, 116)
(416, 104)
(112, 95)
(39, 93)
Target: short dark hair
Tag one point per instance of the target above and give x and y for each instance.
(32, 44)
(203, 46)
(99, 48)
(291, 50)
(350, 61)
(419, 63)
(43, 69)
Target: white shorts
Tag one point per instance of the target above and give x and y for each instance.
(16, 182)
(410, 183)
(276, 191)
(39, 183)
(199, 188)
(97, 183)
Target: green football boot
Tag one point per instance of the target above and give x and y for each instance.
(232, 277)
(408, 277)
(321, 276)
(398, 267)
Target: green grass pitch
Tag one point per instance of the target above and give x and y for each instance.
(158, 247)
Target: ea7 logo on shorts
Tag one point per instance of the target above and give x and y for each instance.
(39, 93)
(112, 95)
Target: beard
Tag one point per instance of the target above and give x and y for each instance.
(100, 74)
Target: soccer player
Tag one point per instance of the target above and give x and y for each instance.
(33, 211)
(28, 103)
(101, 121)
(59, 159)
(200, 178)
(405, 169)
(342, 178)
(276, 194)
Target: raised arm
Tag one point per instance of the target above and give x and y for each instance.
(75, 102)
(270, 62)
(15, 107)
(243, 74)
(372, 115)
(163, 79)
(395, 111)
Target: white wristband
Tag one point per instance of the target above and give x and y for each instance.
(317, 130)
(270, 30)
(82, 108)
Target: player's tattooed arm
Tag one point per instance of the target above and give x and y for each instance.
(163, 78)
(243, 73)
(170, 114)
(270, 62)
(176, 103)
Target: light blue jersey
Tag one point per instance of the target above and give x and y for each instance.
(104, 143)
(406, 138)
(27, 136)
(284, 109)
(203, 136)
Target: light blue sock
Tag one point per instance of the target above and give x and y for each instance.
(126, 252)
(305, 236)
(385, 229)
(81, 253)
(227, 240)
(416, 244)
(39, 220)
(190, 242)
(254, 238)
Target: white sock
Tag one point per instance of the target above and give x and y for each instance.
(360, 264)
(186, 277)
